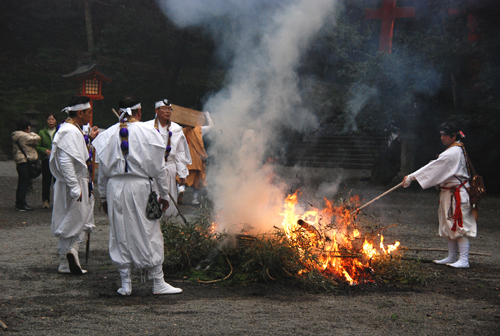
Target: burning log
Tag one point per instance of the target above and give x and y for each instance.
(342, 251)
(308, 227)
(245, 240)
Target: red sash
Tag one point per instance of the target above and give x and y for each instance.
(457, 216)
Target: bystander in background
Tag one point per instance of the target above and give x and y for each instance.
(44, 149)
(23, 150)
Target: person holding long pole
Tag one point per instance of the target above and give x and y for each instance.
(448, 172)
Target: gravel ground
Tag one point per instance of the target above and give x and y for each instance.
(36, 300)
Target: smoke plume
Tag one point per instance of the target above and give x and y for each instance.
(262, 41)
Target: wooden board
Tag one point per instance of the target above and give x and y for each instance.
(187, 117)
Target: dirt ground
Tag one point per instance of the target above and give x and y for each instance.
(36, 300)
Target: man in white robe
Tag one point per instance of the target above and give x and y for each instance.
(130, 154)
(457, 221)
(73, 211)
(177, 157)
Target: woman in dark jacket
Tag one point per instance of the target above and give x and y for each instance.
(44, 149)
(27, 140)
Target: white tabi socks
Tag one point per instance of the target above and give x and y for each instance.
(159, 284)
(73, 261)
(64, 266)
(126, 288)
(463, 248)
(195, 197)
(452, 253)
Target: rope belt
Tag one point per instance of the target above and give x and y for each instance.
(457, 216)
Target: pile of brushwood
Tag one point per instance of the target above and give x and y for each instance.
(193, 250)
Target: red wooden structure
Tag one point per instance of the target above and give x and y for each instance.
(387, 13)
(89, 79)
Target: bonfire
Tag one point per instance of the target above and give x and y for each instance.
(342, 251)
(321, 247)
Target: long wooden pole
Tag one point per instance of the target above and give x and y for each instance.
(116, 113)
(92, 176)
(177, 207)
(441, 250)
(378, 197)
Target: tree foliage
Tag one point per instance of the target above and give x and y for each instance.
(434, 71)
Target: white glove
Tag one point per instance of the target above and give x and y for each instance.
(408, 180)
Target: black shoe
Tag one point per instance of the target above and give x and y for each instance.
(25, 207)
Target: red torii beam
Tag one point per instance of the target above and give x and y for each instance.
(387, 13)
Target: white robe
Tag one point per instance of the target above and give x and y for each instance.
(134, 240)
(177, 162)
(443, 172)
(67, 163)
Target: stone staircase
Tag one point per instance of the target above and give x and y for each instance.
(337, 151)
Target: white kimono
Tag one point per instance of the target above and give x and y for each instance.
(177, 162)
(449, 171)
(68, 165)
(134, 240)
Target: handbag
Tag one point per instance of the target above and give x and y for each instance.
(153, 210)
(34, 167)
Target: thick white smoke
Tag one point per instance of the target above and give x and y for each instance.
(265, 40)
(360, 94)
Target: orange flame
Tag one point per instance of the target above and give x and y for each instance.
(332, 234)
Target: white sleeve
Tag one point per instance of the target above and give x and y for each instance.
(67, 165)
(206, 129)
(102, 180)
(433, 173)
(162, 183)
(182, 170)
(182, 158)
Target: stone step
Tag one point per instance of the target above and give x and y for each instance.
(349, 152)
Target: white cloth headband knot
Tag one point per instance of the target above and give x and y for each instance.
(128, 110)
(77, 107)
(161, 103)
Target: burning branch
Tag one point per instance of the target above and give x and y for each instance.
(309, 228)
(338, 248)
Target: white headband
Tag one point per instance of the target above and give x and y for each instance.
(77, 107)
(128, 110)
(161, 103)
